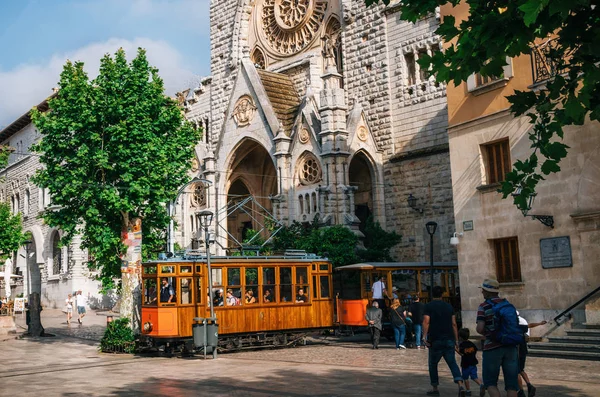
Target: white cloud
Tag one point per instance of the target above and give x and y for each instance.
(27, 85)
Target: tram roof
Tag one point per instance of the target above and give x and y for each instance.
(396, 265)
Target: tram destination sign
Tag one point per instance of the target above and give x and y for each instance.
(556, 252)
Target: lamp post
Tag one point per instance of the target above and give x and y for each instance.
(27, 245)
(205, 217)
(431, 228)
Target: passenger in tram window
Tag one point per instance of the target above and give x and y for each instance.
(231, 299)
(166, 291)
(250, 296)
(268, 297)
(301, 297)
(218, 298)
(394, 292)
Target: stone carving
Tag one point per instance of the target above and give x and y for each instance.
(195, 164)
(304, 135)
(362, 133)
(243, 111)
(291, 25)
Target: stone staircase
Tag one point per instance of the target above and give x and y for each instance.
(581, 343)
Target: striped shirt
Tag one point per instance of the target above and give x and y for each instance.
(485, 312)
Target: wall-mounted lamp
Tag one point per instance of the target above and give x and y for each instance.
(547, 220)
(454, 238)
(412, 203)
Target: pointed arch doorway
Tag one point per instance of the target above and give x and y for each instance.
(360, 175)
(251, 173)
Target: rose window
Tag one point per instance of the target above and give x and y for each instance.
(310, 172)
(199, 195)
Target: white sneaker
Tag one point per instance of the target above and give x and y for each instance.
(402, 347)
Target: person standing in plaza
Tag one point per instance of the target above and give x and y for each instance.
(441, 332)
(398, 318)
(80, 299)
(415, 311)
(379, 291)
(531, 389)
(495, 354)
(373, 318)
(69, 308)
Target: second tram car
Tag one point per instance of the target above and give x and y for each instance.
(257, 300)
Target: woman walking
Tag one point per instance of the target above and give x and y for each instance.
(398, 317)
(69, 307)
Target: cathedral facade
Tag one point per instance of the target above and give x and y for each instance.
(318, 108)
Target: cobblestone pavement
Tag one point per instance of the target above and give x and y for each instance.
(69, 364)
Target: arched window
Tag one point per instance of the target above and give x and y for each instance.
(314, 202)
(57, 256)
(301, 203)
(333, 33)
(199, 195)
(258, 58)
(26, 203)
(307, 199)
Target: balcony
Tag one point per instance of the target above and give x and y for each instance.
(544, 61)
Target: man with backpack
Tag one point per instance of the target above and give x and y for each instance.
(498, 322)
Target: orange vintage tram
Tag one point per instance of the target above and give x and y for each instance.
(258, 300)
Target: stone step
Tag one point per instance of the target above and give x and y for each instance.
(584, 332)
(566, 347)
(588, 340)
(591, 326)
(568, 355)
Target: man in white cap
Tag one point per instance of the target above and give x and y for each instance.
(495, 354)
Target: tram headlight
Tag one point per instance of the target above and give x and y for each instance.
(147, 328)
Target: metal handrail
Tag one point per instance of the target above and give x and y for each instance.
(579, 302)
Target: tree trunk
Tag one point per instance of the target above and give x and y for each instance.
(34, 323)
(131, 266)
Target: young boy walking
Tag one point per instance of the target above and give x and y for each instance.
(468, 361)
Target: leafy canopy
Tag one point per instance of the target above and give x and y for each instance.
(114, 148)
(509, 28)
(11, 231)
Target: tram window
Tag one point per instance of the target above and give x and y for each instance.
(405, 280)
(251, 281)
(324, 267)
(233, 297)
(314, 267)
(269, 294)
(217, 277)
(185, 269)
(149, 269)
(314, 283)
(350, 284)
(168, 290)
(285, 284)
(324, 283)
(302, 294)
(268, 275)
(198, 268)
(185, 290)
(167, 269)
(198, 290)
(150, 291)
(233, 276)
(301, 275)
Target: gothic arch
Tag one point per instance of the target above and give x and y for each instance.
(362, 175)
(258, 58)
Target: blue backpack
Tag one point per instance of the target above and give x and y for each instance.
(507, 330)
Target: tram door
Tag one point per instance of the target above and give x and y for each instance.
(367, 280)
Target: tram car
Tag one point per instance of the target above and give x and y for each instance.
(258, 301)
(353, 285)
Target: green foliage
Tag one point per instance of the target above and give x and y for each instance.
(4, 155)
(378, 243)
(118, 337)
(509, 28)
(11, 231)
(113, 149)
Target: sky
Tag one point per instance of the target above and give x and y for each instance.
(38, 36)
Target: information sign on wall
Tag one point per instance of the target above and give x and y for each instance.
(556, 252)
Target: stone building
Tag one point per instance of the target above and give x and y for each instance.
(47, 268)
(542, 269)
(319, 107)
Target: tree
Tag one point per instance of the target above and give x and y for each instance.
(378, 242)
(114, 149)
(11, 232)
(509, 28)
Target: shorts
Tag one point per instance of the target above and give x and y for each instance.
(505, 357)
(522, 356)
(469, 372)
(81, 309)
(69, 310)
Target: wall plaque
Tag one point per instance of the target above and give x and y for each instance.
(467, 226)
(556, 252)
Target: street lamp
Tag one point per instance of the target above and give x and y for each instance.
(205, 217)
(431, 228)
(547, 220)
(27, 244)
(412, 203)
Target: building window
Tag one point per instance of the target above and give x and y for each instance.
(199, 195)
(310, 170)
(258, 58)
(26, 203)
(478, 84)
(497, 161)
(56, 253)
(508, 266)
(411, 71)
